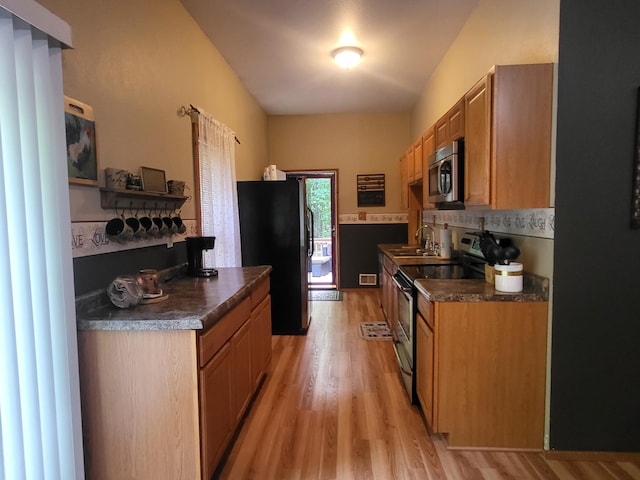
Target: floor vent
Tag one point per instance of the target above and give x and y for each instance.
(368, 279)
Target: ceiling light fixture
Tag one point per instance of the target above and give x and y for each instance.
(347, 57)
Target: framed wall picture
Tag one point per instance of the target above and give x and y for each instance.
(80, 127)
(371, 190)
(153, 180)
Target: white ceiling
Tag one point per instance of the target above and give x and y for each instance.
(280, 49)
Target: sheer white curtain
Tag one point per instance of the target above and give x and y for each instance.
(218, 195)
(40, 429)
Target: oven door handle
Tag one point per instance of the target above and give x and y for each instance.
(395, 350)
(403, 288)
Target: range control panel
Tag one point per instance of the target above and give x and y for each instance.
(470, 243)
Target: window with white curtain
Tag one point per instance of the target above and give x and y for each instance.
(218, 192)
(40, 428)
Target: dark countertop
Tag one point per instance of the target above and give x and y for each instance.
(193, 303)
(535, 288)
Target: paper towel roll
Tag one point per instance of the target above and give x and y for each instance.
(445, 243)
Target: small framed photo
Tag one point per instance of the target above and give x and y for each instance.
(153, 180)
(80, 127)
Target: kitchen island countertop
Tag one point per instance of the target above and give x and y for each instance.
(192, 304)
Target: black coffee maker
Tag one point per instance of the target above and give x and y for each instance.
(195, 247)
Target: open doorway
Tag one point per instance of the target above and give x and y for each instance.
(321, 196)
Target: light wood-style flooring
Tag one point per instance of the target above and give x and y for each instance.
(332, 407)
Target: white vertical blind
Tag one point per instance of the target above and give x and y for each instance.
(218, 193)
(40, 431)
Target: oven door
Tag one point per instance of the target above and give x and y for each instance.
(402, 332)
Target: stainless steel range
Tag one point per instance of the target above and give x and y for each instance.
(468, 264)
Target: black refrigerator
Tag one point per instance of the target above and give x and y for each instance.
(276, 229)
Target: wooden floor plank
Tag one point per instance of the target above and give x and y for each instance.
(333, 407)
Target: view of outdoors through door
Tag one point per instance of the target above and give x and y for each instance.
(320, 189)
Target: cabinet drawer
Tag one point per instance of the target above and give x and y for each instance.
(425, 307)
(213, 339)
(259, 292)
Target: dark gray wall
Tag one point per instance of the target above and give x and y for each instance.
(595, 366)
(359, 248)
(98, 271)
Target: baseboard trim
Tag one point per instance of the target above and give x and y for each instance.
(584, 456)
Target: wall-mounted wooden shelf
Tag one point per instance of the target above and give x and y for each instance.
(127, 199)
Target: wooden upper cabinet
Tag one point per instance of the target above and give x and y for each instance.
(456, 120)
(410, 164)
(477, 143)
(451, 125)
(428, 144)
(417, 160)
(508, 138)
(428, 147)
(442, 132)
(404, 182)
(521, 142)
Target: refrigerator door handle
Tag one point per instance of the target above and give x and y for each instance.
(311, 247)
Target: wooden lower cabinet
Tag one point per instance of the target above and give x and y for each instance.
(216, 405)
(388, 300)
(243, 384)
(244, 356)
(164, 404)
(260, 340)
(487, 369)
(140, 406)
(424, 365)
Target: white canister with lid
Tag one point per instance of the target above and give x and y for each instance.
(508, 278)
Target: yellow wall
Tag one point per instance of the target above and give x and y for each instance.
(351, 143)
(136, 62)
(498, 32)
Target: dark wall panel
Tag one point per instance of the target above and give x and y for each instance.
(595, 366)
(98, 271)
(359, 248)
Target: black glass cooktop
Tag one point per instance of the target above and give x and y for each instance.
(444, 272)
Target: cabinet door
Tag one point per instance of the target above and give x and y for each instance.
(442, 132)
(521, 139)
(216, 416)
(424, 368)
(242, 375)
(477, 144)
(417, 160)
(404, 183)
(411, 174)
(455, 118)
(260, 339)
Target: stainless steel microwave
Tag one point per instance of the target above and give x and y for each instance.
(446, 176)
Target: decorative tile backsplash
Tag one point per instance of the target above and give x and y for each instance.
(535, 222)
(373, 218)
(89, 238)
